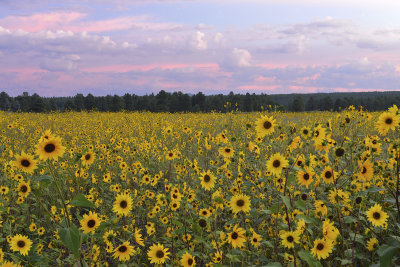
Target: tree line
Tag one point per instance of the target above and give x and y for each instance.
(180, 102)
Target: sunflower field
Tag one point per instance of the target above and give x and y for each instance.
(200, 189)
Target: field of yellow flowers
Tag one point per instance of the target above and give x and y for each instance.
(215, 189)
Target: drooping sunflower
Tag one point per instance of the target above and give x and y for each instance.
(88, 158)
(124, 252)
(90, 222)
(289, 238)
(50, 148)
(187, 260)
(20, 243)
(387, 121)
(319, 133)
(24, 188)
(377, 216)
(122, 204)
(226, 152)
(236, 237)
(25, 162)
(322, 248)
(157, 254)
(305, 177)
(207, 180)
(265, 126)
(240, 202)
(276, 163)
(138, 237)
(372, 244)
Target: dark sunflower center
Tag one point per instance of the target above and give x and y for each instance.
(389, 121)
(255, 240)
(316, 133)
(339, 152)
(21, 244)
(202, 223)
(170, 154)
(305, 131)
(207, 178)
(122, 249)
(190, 261)
(304, 196)
(91, 223)
(376, 215)
(123, 204)
(227, 150)
(267, 125)
(299, 163)
(306, 176)
(328, 174)
(320, 246)
(276, 163)
(87, 156)
(234, 235)
(160, 254)
(240, 203)
(347, 120)
(358, 200)
(290, 239)
(364, 170)
(25, 163)
(49, 148)
(24, 188)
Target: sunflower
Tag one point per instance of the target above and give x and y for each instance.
(236, 237)
(226, 152)
(187, 260)
(24, 188)
(20, 243)
(329, 231)
(372, 244)
(305, 177)
(328, 175)
(88, 158)
(124, 252)
(122, 204)
(319, 133)
(158, 254)
(170, 155)
(90, 222)
(255, 239)
(207, 180)
(9, 264)
(367, 170)
(240, 202)
(25, 162)
(265, 126)
(305, 132)
(276, 163)
(138, 237)
(322, 248)
(376, 215)
(50, 148)
(387, 121)
(289, 238)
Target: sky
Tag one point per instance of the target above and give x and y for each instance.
(65, 47)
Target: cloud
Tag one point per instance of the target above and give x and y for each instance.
(199, 41)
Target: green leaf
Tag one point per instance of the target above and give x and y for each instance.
(386, 253)
(307, 257)
(349, 219)
(300, 204)
(273, 264)
(81, 201)
(71, 239)
(286, 200)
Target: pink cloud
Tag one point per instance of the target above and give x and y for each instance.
(127, 68)
(41, 21)
(72, 21)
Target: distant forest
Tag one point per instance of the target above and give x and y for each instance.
(180, 102)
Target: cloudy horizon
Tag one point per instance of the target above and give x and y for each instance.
(115, 47)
